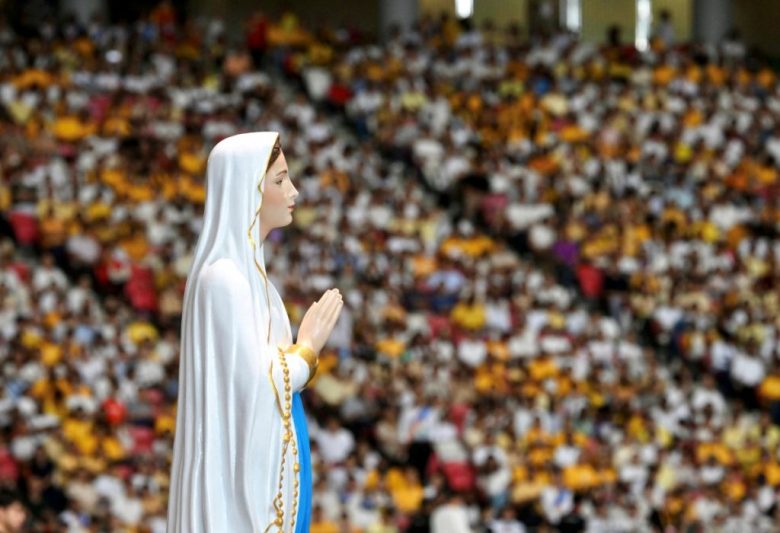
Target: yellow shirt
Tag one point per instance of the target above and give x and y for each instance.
(573, 133)
(540, 455)
(529, 490)
(138, 331)
(749, 456)
(33, 77)
(770, 388)
(423, 265)
(394, 479)
(408, 499)
(666, 476)
(97, 211)
(483, 380)
(581, 477)
(542, 368)
(5, 196)
(117, 127)
(192, 163)
(390, 346)
(717, 450)
(663, 74)
(71, 129)
(498, 349)
(164, 423)
(140, 192)
(135, 246)
(112, 448)
(192, 190)
(772, 473)
(80, 433)
(53, 231)
(51, 354)
(473, 247)
(168, 188)
(95, 465)
(468, 316)
(634, 237)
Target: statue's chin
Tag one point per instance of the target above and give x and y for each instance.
(284, 223)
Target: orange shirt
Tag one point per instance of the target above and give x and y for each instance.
(53, 231)
(423, 265)
(663, 74)
(136, 246)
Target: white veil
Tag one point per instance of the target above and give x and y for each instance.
(228, 440)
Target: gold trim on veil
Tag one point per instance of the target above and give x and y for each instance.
(253, 243)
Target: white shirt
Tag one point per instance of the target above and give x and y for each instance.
(747, 370)
(450, 518)
(45, 277)
(472, 352)
(557, 503)
(335, 446)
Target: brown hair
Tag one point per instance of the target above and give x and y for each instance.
(275, 151)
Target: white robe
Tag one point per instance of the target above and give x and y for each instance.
(228, 440)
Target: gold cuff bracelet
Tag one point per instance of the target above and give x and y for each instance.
(308, 355)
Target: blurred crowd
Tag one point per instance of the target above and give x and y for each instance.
(559, 264)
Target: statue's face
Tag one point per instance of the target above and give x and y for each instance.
(278, 197)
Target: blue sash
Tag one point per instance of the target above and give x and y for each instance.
(303, 520)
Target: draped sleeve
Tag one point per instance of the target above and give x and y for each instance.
(231, 297)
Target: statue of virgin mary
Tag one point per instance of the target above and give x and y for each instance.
(241, 450)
